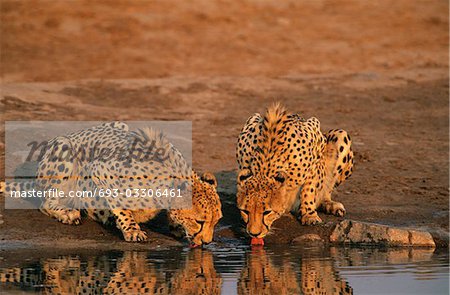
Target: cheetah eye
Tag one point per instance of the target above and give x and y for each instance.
(267, 212)
(280, 177)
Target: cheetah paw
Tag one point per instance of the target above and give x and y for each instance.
(70, 217)
(310, 219)
(135, 235)
(335, 208)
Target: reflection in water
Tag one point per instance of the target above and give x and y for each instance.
(197, 276)
(281, 270)
(262, 275)
(320, 277)
(133, 273)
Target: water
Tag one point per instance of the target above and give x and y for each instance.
(228, 270)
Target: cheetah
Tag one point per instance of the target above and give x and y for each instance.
(72, 170)
(287, 164)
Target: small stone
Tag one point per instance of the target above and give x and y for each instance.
(422, 238)
(398, 236)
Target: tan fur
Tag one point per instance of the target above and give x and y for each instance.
(285, 160)
(262, 275)
(133, 273)
(87, 174)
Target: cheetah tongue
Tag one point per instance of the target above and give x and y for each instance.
(257, 242)
(192, 245)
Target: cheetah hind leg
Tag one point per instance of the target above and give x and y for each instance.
(338, 167)
(333, 207)
(62, 210)
(59, 174)
(61, 213)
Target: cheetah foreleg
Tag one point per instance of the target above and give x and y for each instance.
(129, 227)
(308, 207)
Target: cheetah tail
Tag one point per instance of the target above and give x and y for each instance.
(9, 186)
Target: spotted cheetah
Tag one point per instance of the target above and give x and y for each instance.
(86, 171)
(287, 164)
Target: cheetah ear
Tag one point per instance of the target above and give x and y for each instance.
(281, 176)
(209, 178)
(243, 175)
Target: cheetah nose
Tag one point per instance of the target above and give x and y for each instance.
(253, 235)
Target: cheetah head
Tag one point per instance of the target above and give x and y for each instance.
(260, 200)
(199, 221)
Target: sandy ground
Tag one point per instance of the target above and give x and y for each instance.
(378, 70)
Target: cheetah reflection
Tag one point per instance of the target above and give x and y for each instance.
(263, 275)
(136, 276)
(318, 276)
(198, 276)
(134, 273)
(63, 275)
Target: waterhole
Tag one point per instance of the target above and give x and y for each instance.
(237, 269)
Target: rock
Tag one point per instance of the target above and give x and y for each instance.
(421, 238)
(356, 232)
(308, 239)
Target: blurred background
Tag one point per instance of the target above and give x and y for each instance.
(68, 40)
